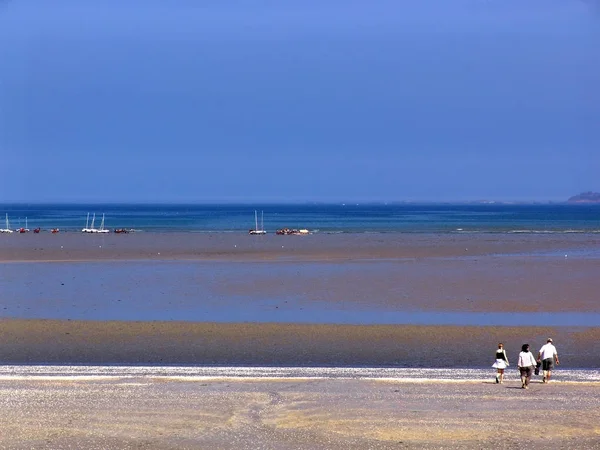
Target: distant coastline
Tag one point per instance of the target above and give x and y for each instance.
(585, 197)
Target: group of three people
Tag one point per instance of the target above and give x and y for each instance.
(547, 356)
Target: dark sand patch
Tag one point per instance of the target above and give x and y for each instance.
(89, 342)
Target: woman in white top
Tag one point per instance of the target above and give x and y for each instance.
(526, 365)
(501, 363)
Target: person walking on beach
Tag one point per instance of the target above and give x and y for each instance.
(501, 363)
(548, 355)
(526, 365)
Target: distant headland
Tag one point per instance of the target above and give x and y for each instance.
(585, 197)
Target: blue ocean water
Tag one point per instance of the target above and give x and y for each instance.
(326, 218)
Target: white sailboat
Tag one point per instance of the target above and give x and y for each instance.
(257, 230)
(102, 229)
(87, 221)
(7, 229)
(91, 229)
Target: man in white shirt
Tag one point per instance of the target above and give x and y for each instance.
(548, 355)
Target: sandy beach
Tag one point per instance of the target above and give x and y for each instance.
(227, 413)
(56, 289)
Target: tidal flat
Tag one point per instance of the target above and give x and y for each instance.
(436, 304)
(324, 299)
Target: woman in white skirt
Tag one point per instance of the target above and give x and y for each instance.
(501, 363)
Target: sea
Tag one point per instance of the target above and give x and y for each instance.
(317, 218)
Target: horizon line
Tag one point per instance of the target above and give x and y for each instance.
(301, 202)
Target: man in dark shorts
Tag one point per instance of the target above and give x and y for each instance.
(548, 355)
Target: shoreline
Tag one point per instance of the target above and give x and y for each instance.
(251, 374)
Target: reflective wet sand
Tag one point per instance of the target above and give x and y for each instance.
(203, 278)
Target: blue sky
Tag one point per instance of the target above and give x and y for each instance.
(331, 100)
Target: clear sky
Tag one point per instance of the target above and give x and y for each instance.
(312, 100)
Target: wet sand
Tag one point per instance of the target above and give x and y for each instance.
(328, 273)
(316, 247)
(95, 342)
(476, 273)
(157, 413)
(483, 273)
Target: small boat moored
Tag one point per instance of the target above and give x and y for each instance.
(257, 230)
(24, 229)
(7, 229)
(292, 232)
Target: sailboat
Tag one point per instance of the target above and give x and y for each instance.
(257, 230)
(7, 229)
(90, 229)
(87, 228)
(102, 229)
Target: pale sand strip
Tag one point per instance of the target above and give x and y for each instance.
(223, 344)
(298, 414)
(271, 373)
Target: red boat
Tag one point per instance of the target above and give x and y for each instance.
(36, 230)
(55, 230)
(24, 229)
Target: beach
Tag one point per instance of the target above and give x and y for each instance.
(376, 301)
(299, 225)
(295, 413)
